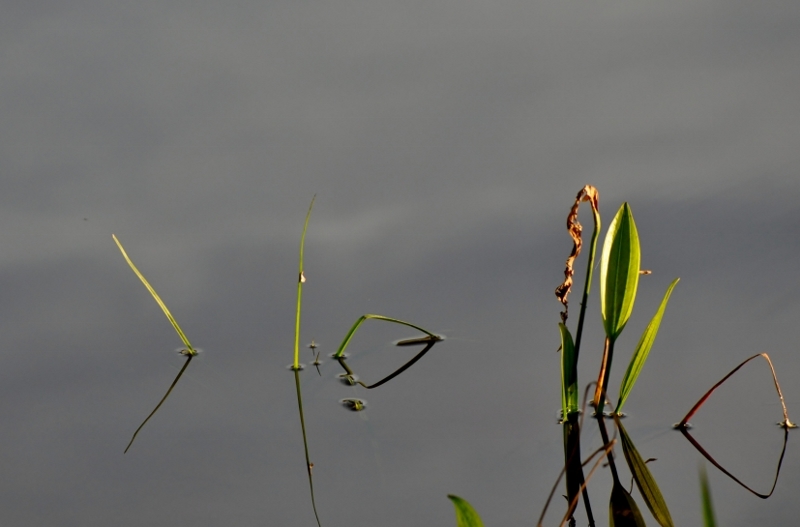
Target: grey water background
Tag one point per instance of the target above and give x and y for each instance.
(445, 142)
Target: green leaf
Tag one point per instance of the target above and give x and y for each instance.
(364, 318)
(643, 349)
(623, 511)
(569, 374)
(619, 272)
(708, 506)
(190, 351)
(465, 514)
(644, 479)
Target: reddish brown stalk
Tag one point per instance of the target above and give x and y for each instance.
(786, 423)
(601, 378)
(574, 227)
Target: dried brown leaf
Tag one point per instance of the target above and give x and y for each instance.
(575, 229)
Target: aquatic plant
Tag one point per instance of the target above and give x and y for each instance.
(188, 351)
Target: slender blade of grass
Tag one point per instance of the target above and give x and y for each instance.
(364, 318)
(191, 351)
(185, 364)
(643, 349)
(300, 281)
(644, 479)
(466, 516)
(569, 374)
(619, 272)
(705, 495)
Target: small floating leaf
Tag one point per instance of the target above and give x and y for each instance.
(623, 511)
(643, 349)
(569, 374)
(466, 516)
(708, 505)
(619, 272)
(644, 479)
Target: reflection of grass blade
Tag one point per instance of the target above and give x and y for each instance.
(309, 464)
(708, 505)
(364, 318)
(191, 351)
(619, 272)
(185, 364)
(644, 479)
(301, 278)
(466, 516)
(395, 373)
(569, 374)
(643, 349)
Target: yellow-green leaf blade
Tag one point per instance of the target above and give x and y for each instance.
(157, 298)
(619, 272)
(466, 516)
(569, 374)
(644, 480)
(643, 349)
(708, 506)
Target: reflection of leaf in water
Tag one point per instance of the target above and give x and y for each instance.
(786, 424)
(644, 479)
(623, 511)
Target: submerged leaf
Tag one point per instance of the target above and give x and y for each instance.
(569, 374)
(623, 511)
(466, 516)
(619, 272)
(643, 349)
(644, 479)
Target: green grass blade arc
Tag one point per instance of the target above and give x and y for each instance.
(619, 272)
(466, 516)
(300, 280)
(569, 374)
(191, 351)
(643, 349)
(364, 318)
(644, 479)
(709, 519)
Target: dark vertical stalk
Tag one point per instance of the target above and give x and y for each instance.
(309, 464)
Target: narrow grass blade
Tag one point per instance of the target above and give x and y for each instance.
(643, 349)
(185, 364)
(309, 464)
(466, 516)
(301, 278)
(190, 350)
(395, 373)
(644, 479)
(705, 495)
(619, 272)
(364, 318)
(623, 511)
(569, 374)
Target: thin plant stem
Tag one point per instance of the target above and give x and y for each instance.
(185, 364)
(301, 278)
(588, 284)
(309, 464)
(602, 378)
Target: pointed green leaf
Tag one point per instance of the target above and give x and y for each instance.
(364, 318)
(465, 514)
(569, 374)
(189, 349)
(644, 479)
(619, 272)
(643, 349)
(708, 505)
(623, 511)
